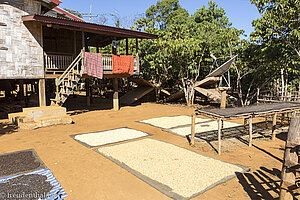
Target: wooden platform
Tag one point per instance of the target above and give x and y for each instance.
(247, 113)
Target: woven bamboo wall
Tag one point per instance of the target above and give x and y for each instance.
(21, 53)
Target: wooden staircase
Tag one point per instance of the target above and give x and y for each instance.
(67, 82)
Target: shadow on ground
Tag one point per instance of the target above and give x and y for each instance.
(262, 184)
(241, 134)
(7, 128)
(78, 104)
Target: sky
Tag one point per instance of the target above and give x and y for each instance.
(240, 12)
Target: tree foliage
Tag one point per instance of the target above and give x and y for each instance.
(183, 53)
(277, 34)
(74, 12)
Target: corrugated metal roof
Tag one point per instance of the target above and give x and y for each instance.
(95, 28)
(67, 14)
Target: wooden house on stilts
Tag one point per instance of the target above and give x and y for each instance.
(40, 41)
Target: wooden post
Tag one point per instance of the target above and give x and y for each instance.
(75, 42)
(288, 176)
(220, 124)
(193, 130)
(127, 46)
(97, 50)
(21, 89)
(83, 40)
(250, 131)
(114, 50)
(42, 92)
(245, 124)
(223, 99)
(257, 95)
(137, 46)
(116, 95)
(26, 89)
(282, 84)
(87, 89)
(282, 118)
(274, 125)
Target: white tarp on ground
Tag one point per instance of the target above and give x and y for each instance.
(173, 121)
(175, 171)
(109, 137)
(203, 127)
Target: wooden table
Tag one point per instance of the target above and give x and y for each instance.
(247, 113)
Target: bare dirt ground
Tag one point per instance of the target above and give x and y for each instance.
(85, 174)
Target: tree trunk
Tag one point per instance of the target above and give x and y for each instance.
(189, 91)
(288, 175)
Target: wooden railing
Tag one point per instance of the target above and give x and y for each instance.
(57, 62)
(107, 63)
(61, 62)
(268, 96)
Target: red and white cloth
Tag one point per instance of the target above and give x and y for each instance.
(93, 65)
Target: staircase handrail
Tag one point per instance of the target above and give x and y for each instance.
(77, 59)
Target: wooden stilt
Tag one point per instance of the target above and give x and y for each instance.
(42, 92)
(116, 95)
(220, 121)
(193, 130)
(274, 126)
(87, 88)
(250, 131)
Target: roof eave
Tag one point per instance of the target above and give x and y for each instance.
(95, 27)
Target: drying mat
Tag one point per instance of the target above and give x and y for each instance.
(174, 121)
(205, 128)
(19, 162)
(177, 172)
(40, 184)
(108, 137)
(252, 109)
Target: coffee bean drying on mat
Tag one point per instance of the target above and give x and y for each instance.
(33, 185)
(17, 162)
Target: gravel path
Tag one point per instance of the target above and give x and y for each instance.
(109, 137)
(177, 172)
(202, 128)
(171, 122)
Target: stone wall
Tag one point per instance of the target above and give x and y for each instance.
(21, 52)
